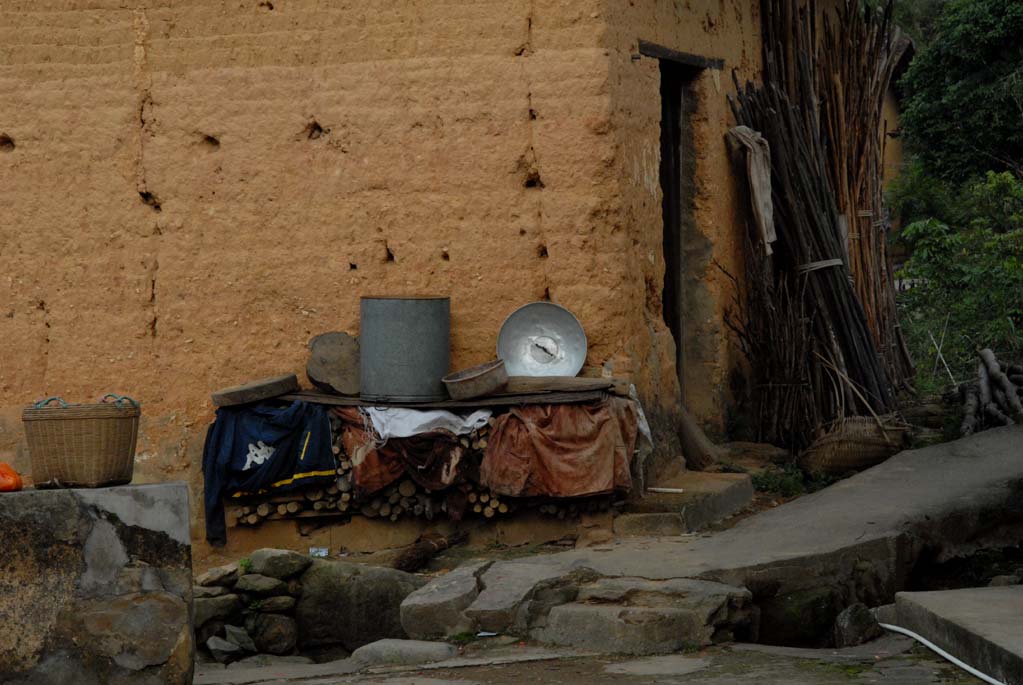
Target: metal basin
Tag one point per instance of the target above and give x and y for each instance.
(542, 339)
(477, 381)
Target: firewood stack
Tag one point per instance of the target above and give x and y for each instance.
(403, 499)
(475, 443)
(486, 503)
(995, 398)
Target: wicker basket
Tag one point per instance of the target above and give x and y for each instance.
(854, 444)
(82, 445)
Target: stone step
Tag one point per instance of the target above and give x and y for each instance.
(614, 629)
(706, 499)
(574, 608)
(640, 616)
(982, 627)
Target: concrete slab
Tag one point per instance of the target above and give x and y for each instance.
(649, 525)
(854, 541)
(942, 496)
(707, 498)
(980, 626)
(673, 664)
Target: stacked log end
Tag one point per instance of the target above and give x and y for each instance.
(475, 444)
(488, 504)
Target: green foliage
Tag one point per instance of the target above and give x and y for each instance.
(919, 19)
(964, 91)
(462, 638)
(789, 481)
(689, 647)
(245, 565)
(726, 466)
(916, 195)
(966, 278)
(993, 202)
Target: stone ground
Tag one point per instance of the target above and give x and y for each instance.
(868, 533)
(890, 660)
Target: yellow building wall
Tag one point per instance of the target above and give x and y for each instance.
(196, 188)
(727, 31)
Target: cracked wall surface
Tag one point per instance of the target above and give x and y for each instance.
(726, 30)
(193, 189)
(96, 586)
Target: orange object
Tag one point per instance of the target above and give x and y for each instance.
(10, 481)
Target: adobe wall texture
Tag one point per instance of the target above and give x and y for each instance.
(193, 189)
(728, 30)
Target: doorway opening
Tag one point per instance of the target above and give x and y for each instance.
(678, 190)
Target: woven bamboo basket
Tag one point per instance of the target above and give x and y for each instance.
(854, 444)
(82, 445)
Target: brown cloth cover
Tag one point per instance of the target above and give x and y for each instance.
(561, 450)
(434, 460)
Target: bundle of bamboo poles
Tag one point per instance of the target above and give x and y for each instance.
(768, 322)
(858, 54)
(808, 286)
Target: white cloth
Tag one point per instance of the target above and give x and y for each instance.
(758, 170)
(644, 442)
(390, 422)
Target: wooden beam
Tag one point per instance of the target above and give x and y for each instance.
(498, 401)
(690, 60)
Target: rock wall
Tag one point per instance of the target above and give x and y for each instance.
(194, 189)
(280, 602)
(95, 586)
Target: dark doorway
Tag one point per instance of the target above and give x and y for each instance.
(678, 167)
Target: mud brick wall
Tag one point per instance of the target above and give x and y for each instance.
(193, 189)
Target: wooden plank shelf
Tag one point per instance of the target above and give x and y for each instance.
(493, 401)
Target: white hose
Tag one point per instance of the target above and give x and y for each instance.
(942, 653)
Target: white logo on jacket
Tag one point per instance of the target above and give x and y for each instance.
(258, 454)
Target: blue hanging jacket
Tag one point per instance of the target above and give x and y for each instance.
(263, 448)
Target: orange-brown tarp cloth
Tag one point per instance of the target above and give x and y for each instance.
(434, 459)
(561, 450)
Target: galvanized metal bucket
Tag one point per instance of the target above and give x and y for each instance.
(405, 348)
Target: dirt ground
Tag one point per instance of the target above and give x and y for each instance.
(889, 661)
(718, 667)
